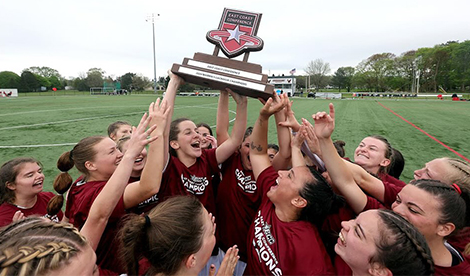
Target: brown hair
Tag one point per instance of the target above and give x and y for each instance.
(82, 152)
(120, 143)
(35, 246)
(112, 128)
(339, 145)
(460, 172)
(402, 248)
(8, 173)
(174, 131)
(173, 232)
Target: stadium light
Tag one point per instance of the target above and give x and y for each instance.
(152, 18)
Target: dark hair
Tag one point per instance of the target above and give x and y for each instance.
(454, 206)
(388, 151)
(339, 145)
(174, 131)
(401, 247)
(112, 128)
(206, 126)
(8, 173)
(35, 246)
(397, 164)
(82, 152)
(321, 199)
(174, 231)
(274, 147)
(248, 132)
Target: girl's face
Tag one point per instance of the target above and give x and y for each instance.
(139, 162)
(245, 153)
(123, 130)
(107, 158)
(289, 183)
(29, 180)
(370, 154)
(83, 264)
(420, 208)
(203, 131)
(435, 169)
(208, 242)
(357, 241)
(188, 140)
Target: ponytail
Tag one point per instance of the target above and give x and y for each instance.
(62, 183)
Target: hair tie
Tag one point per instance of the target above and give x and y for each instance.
(147, 221)
(71, 155)
(457, 188)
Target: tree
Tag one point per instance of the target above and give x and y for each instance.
(9, 80)
(139, 82)
(339, 78)
(126, 81)
(317, 70)
(460, 60)
(28, 82)
(376, 69)
(44, 71)
(94, 77)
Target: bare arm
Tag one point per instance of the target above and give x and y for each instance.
(170, 95)
(150, 179)
(337, 169)
(225, 150)
(297, 142)
(222, 118)
(282, 160)
(372, 185)
(259, 145)
(106, 201)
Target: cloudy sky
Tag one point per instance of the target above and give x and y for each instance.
(72, 36)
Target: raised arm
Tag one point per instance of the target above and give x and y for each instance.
(282, 160)
(106, 201)
(259, 141)
(297, 142)
(337, 169)
(170, 95)
(150, 179)
(228, 147)
(221, 129)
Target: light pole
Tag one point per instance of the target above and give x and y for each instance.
(152, 18)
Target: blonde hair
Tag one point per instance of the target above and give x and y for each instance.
(35, 246)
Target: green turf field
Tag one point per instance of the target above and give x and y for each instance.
(45, 126)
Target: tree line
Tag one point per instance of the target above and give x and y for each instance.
(444, 67)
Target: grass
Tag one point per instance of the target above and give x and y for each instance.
(63, 120)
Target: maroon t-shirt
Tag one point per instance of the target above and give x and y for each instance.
(460, 239)
(461, 269)
(237, 201)
(392, 187)
(80, 198)
(194, 180)
(283, 248)
(7, 210)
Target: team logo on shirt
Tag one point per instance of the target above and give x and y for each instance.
(195, 184)
(247, 184)
(263, 239)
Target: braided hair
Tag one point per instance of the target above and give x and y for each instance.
(402, 248)
(36, 246)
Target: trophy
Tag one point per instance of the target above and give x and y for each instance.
(236, 35)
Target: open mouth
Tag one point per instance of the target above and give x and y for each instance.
(341, 238)
(37, 183)
(196, 145)
(138, 160)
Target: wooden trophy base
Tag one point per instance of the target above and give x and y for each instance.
(219, 73)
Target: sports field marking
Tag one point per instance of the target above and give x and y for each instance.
(70, 144)
(427, 134)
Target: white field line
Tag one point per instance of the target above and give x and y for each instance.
(70, 144)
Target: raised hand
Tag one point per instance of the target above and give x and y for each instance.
(175, 78)
(324, 123)
(290, 121)
(158, 114)
(227, 267)
(140, 137)
(310, 137)
(211, 140)
(237, 97)
(299, 138)
(274, 104)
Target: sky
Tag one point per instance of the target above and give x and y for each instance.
(73, 36)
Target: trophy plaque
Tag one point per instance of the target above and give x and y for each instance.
(236, 35)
